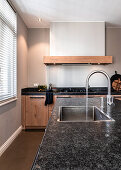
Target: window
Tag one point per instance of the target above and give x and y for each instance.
(8, 33)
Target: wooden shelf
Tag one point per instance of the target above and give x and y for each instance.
(77, 59)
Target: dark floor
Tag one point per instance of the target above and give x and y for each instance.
(20, 155)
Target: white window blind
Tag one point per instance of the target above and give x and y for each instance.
(8, 31)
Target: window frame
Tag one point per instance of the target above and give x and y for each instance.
(13, 96)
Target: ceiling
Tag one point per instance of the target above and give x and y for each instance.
(68, 11)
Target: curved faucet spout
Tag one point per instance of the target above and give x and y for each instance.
(109, 97)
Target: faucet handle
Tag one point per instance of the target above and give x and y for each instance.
(109, 99)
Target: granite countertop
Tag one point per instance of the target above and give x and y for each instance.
(80, 145)
(75, 91)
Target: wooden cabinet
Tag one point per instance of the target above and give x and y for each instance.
(34, 112)
(36, 115)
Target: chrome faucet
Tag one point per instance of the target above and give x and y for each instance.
(109, 97)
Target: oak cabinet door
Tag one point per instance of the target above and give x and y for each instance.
(36, 111)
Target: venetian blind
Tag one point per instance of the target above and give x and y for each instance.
(8, 87)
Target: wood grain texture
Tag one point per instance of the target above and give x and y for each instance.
(36, 111)
(77, 59)
(35, 114)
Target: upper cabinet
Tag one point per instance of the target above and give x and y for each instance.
(77, 59)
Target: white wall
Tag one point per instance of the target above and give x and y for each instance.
(10, 114)
(38, 46)
(74, 75)
(77, 39)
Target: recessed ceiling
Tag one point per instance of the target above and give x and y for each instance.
(68, 11)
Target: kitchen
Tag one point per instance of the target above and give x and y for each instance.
(68, 35)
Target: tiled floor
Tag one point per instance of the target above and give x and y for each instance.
(20, 155)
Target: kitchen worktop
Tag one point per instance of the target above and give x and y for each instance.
(70, 91)
(80, 145)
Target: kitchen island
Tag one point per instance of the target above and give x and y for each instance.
(81, 145)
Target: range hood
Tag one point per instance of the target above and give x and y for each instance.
(49, 60)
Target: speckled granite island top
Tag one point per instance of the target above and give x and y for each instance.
(80, 145)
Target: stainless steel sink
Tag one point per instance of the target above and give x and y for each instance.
(82, 114)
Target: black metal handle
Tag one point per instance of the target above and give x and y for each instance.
(32, 97)
(64, 97)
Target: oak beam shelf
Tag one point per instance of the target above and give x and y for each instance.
(77, 60)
